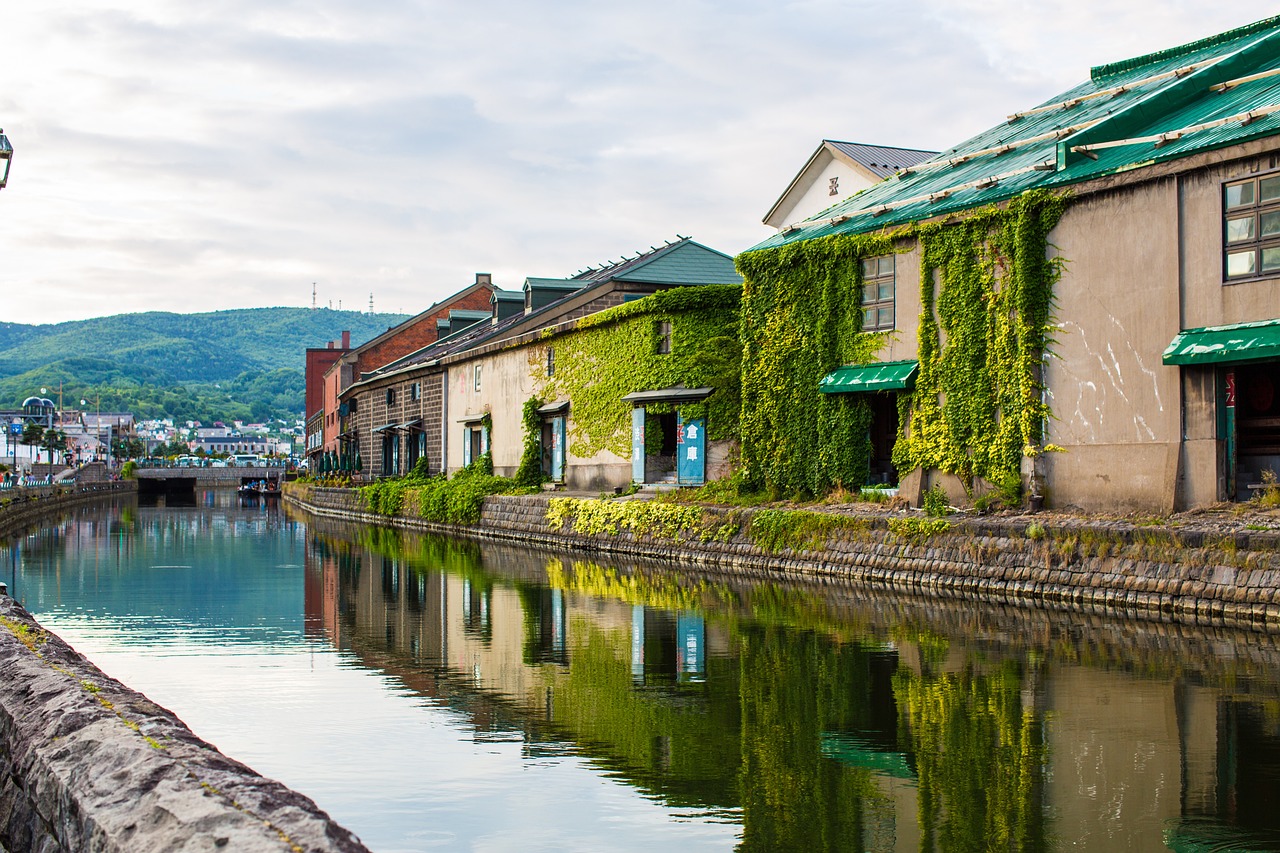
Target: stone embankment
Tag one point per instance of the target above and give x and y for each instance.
(88, 764)
(26, 507)
(1196, 573)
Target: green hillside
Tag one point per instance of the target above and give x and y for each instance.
(242, 364)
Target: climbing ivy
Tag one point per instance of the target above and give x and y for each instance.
(986, 289)
(615, 352)
(801, 319)
(986, 292)
(530, 471)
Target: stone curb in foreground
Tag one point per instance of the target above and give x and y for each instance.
(88, 764)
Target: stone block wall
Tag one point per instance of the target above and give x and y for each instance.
(88, 764)
(1167, 575)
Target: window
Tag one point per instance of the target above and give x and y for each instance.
(877, 293)
(1251, 228)
(391, 396)
(477, 377)
(415, 391)
(551, 362)
(662, 330)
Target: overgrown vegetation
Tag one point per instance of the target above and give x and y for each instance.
(800, 530)
(616, 352)
(986, 289)
(458, 500)
(529, 474)
(1269, 496)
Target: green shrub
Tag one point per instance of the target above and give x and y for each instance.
(935, 503)
(129, 470)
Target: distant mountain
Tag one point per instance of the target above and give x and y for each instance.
(224, 365)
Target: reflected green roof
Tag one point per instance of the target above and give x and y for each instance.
(1225, 344)
(885, 376)
(1128, 115)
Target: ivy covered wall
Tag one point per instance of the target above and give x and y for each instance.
(616, 352)
(802, 318)
(986, 286)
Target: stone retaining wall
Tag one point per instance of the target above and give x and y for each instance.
(86, 764)
(27, 507)
(1160, 573)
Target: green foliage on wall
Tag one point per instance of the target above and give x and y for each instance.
(529, 474)
(986, 289)
(801, 319)
(615, 352)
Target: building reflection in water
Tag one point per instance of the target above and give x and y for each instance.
(821, 719)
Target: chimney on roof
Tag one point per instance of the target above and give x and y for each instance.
(346, 340)
(330, 344)
(484, 278)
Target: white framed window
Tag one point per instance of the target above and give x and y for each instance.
(477, 376)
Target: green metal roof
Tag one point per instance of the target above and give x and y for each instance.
(885, 376)
(1128, 115)
(1226, 344)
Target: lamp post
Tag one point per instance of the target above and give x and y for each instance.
(6, 159)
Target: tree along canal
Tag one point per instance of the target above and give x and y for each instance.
(440, 694)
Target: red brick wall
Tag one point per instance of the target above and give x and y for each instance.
(417, 333)
(318, 361)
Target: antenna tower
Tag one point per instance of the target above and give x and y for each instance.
(313, 296)
(371, 302)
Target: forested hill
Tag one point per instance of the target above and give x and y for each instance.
(224, 365)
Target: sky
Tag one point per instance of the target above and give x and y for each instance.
(192, 157)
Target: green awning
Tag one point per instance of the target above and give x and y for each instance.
(885, 376)
(1226, 344)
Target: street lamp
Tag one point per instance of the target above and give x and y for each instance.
(6, 159)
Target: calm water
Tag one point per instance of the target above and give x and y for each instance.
(432, 694)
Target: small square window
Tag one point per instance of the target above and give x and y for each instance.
(1240, 229)
(1240, 195)
(478, 377)
(1242, 263)
(663, 331)
(551, 361)
(391, 396)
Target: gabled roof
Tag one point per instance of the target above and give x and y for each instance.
(1212, 93)
(872, 162)
(881, 160)
(682, 263)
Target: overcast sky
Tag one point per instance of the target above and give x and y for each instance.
(197, 156)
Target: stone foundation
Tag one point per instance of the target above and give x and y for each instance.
(1155, 573)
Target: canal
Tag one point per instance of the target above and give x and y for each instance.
(436, 694)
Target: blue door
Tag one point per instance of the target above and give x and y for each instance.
(557, 449)
(691, 456)
(637, 444)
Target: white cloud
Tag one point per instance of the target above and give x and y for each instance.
(193, 157)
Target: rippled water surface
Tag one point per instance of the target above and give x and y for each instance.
(434, 694)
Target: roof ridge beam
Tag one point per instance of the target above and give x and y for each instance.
(1167, 99)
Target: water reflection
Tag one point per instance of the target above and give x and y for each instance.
(738, 714)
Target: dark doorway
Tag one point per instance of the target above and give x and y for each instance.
(1257, 400)
(884, 433)
(660, 447)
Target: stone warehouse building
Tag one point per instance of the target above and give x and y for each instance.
(1085, 298)
(464, 395)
